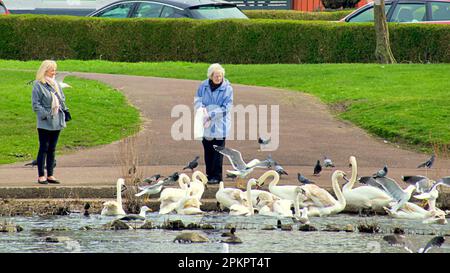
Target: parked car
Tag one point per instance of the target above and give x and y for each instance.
(3, 9)
(406, 11)
(197, 9)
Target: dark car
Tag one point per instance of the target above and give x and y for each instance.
(197, 9)
(406, 11)
(3, 9)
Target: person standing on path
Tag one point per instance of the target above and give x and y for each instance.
(48, 103)
(215, 98)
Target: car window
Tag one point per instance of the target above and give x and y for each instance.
(440, 11)
(148, 10)
(217, 12)
(367, 15)
(169, 12)
(409, 12)
(116, 11)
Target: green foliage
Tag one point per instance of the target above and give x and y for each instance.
(31, 37)
(297, 15)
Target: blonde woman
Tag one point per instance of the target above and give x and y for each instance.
(48, 102)
(215, 97)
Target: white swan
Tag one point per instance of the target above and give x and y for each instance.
(245, 209)
(198, 184)
(170, 197)
(276, 208)
(364, 197)
(114, 208)
(340, 202)
(188, 205)
(229, 196)
(410, 211)
(263, 196)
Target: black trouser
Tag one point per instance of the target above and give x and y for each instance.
(213, 159)
(47, 146)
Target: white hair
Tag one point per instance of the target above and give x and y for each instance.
(213, 68)
(45, 66)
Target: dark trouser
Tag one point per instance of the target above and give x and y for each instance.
(213, 159)
(47, 146)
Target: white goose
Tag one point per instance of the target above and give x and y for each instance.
(114, 208)
(198, 184)
(245, 209)
(188, 205)
(227, 197)
(339, 203)
(170, 197)
(364, 197)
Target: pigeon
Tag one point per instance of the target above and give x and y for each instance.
(172, 178)
(34, 163)
(427, 164)
(302, 179)
(317, 168)
(263, 141)
(193, 164)
(153, 178)
(280, 170)
(328, 163)
(381, 173)
(230, 175)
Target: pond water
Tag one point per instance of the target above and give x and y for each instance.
(249, 230)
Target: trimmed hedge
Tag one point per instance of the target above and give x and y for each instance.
(297, 15)
(32, 37)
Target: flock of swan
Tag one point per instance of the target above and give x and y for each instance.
(296, 201)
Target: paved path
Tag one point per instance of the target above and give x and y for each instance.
(307, 132)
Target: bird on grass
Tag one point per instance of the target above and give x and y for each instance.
(427, 164)
(317, 168)
(401, 241)
(327, 163)
(302, 179)
(193, 164)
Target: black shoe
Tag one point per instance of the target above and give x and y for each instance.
(213, 181)
(51, 181)
(42, 182)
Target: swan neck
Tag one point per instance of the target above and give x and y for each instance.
(119, 192)
(183, 181)
(354, 175)
(249, 197)
(337, 190)
(275, 178)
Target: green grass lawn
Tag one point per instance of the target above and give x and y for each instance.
(404, 103)
(100, 115)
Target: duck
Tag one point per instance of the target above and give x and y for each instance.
(226, 197)
(363, 197)
(339, 204)
(170, 197)
(245, 209)
(114, 208)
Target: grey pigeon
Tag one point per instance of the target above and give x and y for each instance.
(263, 141)
(427, 164)
(328, 163)
(172, 178)
(317, 168)
(381, 173)
(280, 170)
(230, 175)
(302, 179)
(34, 163)
(152, 179)
(193, 164)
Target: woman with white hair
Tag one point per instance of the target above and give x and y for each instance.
(48, 102)
(215, 98)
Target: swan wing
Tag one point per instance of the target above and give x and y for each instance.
(320, 196)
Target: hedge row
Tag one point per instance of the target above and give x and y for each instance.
(32, 37)
(297, 15)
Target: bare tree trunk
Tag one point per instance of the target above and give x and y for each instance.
(383, 51)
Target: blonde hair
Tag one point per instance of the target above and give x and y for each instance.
(45, 66)
(213, 68)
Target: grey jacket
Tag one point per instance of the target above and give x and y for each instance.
(42, 105)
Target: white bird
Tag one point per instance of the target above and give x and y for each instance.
(395, 191)
(340, 203)
(241, 168)
(245, 209)
(170, 197)
(150, 189)
(364, 197)
(198, 184)
(227, 197)
(188, 205)
(114, 208)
